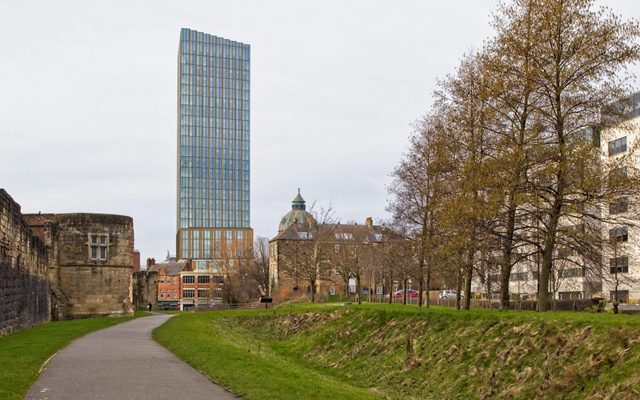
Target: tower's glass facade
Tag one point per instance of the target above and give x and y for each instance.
(213, 149)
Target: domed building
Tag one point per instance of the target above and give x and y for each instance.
(303, 255)
(297, 215)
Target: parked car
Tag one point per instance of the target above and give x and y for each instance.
(399, 294)
(449, 294)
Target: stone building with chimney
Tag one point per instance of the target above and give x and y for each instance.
(300, 237)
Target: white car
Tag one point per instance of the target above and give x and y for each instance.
(449, 294)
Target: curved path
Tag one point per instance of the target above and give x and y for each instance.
(122, 362)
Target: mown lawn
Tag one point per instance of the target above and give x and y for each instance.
(395, 351)
(23, 353)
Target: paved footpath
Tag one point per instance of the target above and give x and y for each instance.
(122, 362)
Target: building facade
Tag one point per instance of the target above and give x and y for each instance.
(617, 271)
(213, 221)
(91, 262)
(337, 252)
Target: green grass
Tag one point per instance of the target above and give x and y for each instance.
(396, 351)
(23, 353)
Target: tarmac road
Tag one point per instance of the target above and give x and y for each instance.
(122, 362)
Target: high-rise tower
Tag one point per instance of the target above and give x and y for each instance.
(213, 150)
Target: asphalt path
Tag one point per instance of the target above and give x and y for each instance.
(122, 362)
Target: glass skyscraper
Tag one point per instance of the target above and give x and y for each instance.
(213, 150)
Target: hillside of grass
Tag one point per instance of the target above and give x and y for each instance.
(394, 351)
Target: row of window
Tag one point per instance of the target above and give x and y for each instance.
(205, 188)
(229, 163)
(198, 83)
(239, 53)
(202, 293)
(192, 279)
(187, 74)
(240, 222)
(237, 103)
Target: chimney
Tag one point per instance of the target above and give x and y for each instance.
(150, 262)
(369, 222)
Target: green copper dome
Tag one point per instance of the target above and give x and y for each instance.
(297, 215)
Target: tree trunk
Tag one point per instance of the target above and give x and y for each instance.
(358, 290)
(404, 291)
(428, 284)
(313, 290)
(467, 286)
(505, 273)
(458, 289)
(507, 251)
(547, 258)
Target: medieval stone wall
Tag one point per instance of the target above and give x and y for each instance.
(90, 286)
(24, 286)
(145, 289)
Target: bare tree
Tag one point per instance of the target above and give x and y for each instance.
(259, 271)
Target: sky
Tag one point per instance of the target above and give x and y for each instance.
(88, 94)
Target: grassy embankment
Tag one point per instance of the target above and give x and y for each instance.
(394, 351)
(22, 354)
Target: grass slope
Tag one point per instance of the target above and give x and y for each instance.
(23, 353)
(395, 351)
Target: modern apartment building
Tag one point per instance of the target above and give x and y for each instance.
(574, 276)
(213, 222)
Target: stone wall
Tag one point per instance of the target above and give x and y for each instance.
(145, 289)
(91, 287)
(24, 260)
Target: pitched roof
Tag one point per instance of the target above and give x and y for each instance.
(171, 267)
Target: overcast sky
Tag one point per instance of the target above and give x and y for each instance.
(88, 100)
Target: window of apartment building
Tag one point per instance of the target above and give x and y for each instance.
(188, 293)
(217, 293)
(204, 279)
(518, 276)
(98, 245)
(564, 252)
(618, 206)
(619, 265)
(161, 279)
(189, 279)
(218, 279)
(623, 296)
(162, 293)
(570, 273)
(344, 236)
(619, 174)
(569, 295)
(304, 235)
(618, 146)
(620, 234)
(203, 293)
(175, 293)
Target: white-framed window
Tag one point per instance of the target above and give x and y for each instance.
(98, 246)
